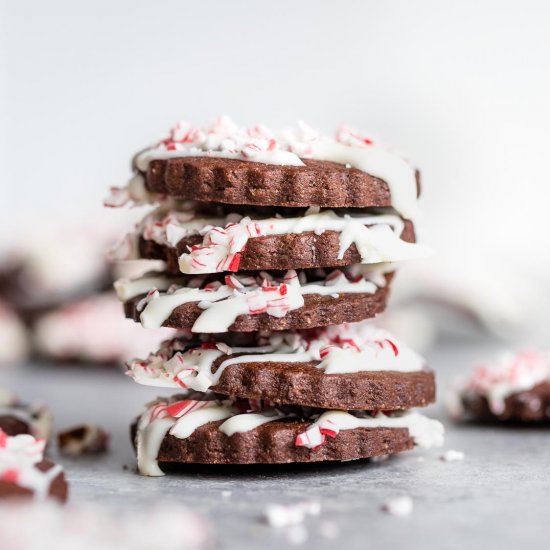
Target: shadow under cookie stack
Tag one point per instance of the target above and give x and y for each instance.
(278, 249)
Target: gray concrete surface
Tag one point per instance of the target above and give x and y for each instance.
(498, 497)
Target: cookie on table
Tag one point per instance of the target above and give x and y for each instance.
(248, 302)
(53, 265)
(17, 417)
(513, 388)
(83, 439)
(212, 431)
(92, 330)
(352, 366)
(25, 473)
(296, 167)
(14, 336)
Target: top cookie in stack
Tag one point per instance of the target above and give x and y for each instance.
(280, 236)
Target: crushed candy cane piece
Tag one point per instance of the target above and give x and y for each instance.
(329, 530)
(452, 456)
(401, 506)
(279, 515)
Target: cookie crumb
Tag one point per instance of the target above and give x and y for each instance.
(399, 506)
(278, 515)
(329, 530)
(296, 534)
(452, 456)
(380, 458)
(83, 439)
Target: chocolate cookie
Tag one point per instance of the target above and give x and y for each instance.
(231, 181)
(239, 431)
(252, 301)
(513, 387)
(20, 418)
(528, 406)
(317, 311)
(305, 385)
(25, 473)
(13, 425)
(345, 367)
(57, 488)
(275, 443)
(83, 439)
(272, 252)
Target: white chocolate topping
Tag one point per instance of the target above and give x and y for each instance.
(349, 348)
(222, 304)
(425, 432)
(249, 421)
(181, 417)
(224, 139)
(19, 457)
(127, 289)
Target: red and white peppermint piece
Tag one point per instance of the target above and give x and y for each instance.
(118, 196)
(351, 137)
(316, 435)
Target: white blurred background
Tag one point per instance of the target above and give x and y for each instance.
(462, 88)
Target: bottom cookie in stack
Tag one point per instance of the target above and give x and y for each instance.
(334, 394)
(234, 431)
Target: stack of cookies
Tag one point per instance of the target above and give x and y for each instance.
(278, 248)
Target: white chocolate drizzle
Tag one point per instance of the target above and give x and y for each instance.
(127, 289)
(224, 139)
(223, 303)
(349, 348)
(425, 431)
(249, 421)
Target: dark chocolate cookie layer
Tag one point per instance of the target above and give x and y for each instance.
(527, 406)
(306, 385)
(273, 252)
(317, 311)
(274, 443)
(229, 181)
(12, 425)
(58, 488)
